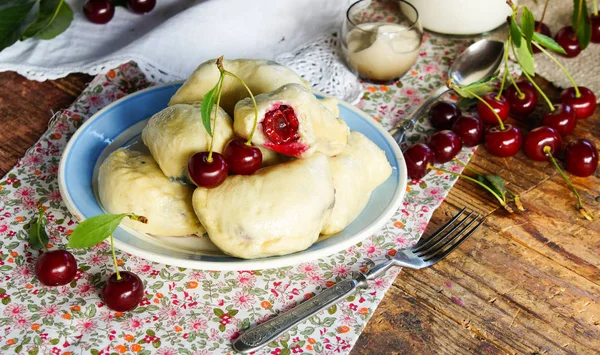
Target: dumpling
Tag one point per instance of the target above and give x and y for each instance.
(176, 133)
(260, 76)
(130, 181)
(278, 210)
(292, 121)
(357, 171)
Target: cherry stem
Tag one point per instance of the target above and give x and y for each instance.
(502, 202)
(249, 141)
(582, 210)
(543, 15)
(505, 70)
(114, 257)
(595, 2)
(39, 225)
(466, 166)
(521, 94)
(500, 123)
(577, 93)
(219, 91)
(533, 82)
(140, 219)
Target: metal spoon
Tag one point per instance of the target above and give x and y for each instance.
(479, 61)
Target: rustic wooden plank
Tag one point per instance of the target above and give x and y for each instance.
(25, 109)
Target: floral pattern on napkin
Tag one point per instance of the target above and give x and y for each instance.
(191, 311)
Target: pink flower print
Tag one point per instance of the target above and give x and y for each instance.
(340, 270)
(243, 300)
(379, 284)
(372, 249)
(434, 191)
(86, 326)
(132, 324)
(3, 228)
(214, 335)
(430, 68)
(247, 279)
(167, 351)
(14, 311)
(62, 126)
(85, 289)
(21, 322)
(197, 325)
(24, 192)
(232, 334)
(169, 312)
(402, 242)
(197, 275)
(32, 160)
(316, 279)
(54, 195)
(49, 311)
(107, 316)
(97, 259)
(297, 349)
(22, 272)
(307, 268)
(423, 226)
(348, 319)
(29, 203)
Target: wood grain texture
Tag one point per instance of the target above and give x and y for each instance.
(526, 283)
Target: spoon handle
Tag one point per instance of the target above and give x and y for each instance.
(408, 123)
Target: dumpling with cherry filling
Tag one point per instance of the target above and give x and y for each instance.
(132, 182)
(278, 210)
(357, 171)
(260, 76)
(176, 133)
(292, 121)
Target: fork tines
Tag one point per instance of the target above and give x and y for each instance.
(448, 237)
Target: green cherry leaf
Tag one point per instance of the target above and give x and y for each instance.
(94, 230)
(526, 58)
(208, 102)
(59, 24)
(38, 238)
(515, 34)
(48, 12)
(527, 25)
(581, 23)
(16, 16)
(548, 43)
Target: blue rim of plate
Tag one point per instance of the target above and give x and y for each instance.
(72, 189)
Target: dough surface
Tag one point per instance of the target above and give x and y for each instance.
(130, 181)
(278, 210)
(357, 171)
(260, 76)
(319, 129)
(176, 133)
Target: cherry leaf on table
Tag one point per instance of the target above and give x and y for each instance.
(208, 102)
(581, 23)
(17, 16)
(515, 33)
(94, 230)
(61, 21)
(38, 238)
(548, 43)
(527, 25)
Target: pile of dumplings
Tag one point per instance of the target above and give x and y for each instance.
(315, 185)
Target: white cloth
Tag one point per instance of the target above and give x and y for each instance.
(169, 42)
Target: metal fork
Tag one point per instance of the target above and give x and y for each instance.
(425, 253)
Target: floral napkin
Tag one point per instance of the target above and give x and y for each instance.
(193, 311)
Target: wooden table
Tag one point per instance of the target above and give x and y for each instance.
(525, 283)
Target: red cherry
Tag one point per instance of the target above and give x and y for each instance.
(503, 143)
(469, 129)
(56, 267)
(281, 125)
(500, 105)
(581, 157)
(242, 159)
(125, 294)
(567, 38)
(562, 119)
(538, 140)
(443, 114)
(541, 27)
(207, 174)
(99, 11)
(141, 6)
(525, 104)
(584, 105)
(445, 145)
(595, 22)
(417, 158)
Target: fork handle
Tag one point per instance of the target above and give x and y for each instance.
(270, 330)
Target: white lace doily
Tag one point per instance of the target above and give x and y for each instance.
(320, 63)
